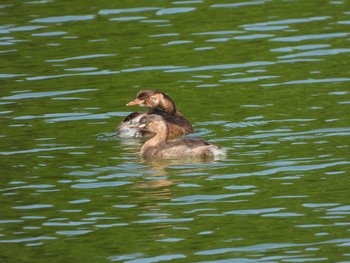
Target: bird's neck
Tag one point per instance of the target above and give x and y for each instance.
(167, 106)
(160, 137)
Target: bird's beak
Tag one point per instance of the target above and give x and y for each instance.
(135, 102)
(138, 126)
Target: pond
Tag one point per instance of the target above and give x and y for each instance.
(268, 80)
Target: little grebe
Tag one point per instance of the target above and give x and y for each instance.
(159, 146)
(158, 103)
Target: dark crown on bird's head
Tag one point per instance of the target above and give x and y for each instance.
(151, 118)
(145, 94)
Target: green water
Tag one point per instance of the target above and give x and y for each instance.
(267, 80)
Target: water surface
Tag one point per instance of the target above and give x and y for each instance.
(267, 80)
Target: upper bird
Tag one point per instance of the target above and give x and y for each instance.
(158, 103)
(158, 147)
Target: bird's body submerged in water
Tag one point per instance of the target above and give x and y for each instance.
(159, 104)
(158, 147)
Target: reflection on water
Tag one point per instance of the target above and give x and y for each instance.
(267, 80)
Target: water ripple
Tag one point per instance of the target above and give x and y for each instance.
(319, 205)
(31, 207)
(81, 57)
(164, 220)
(289, 21)
(322, 52)
(150, 68)
(50, 34)
(177, 42)
(222, 66)
(195, 199)
(282, 215)
(36, 150)
(309, 37)
(25, 28)
(128, 18)
(267, 247)
(62, 19)
(264, 28)
(166, 35)
(253, 211)
(70, 223)
(318, 133)
(261, 247)
(171, 11)
(44, 94)
(73, 232)
(237, 5)
(94, 73)
(62, 117)
(248, 79)
(291, 168)
(32, 186)
(224, 32)
(127, 10)
(99, 184)
(25, 240)
(159, 258)
(300, 47)
(253, 122)
(5, 76)
(253, 36)
(10, 221)
(308, 81)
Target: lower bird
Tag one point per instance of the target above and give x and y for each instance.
(158, 147)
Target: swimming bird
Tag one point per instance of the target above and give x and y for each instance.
(159, 147)
(160, 104)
